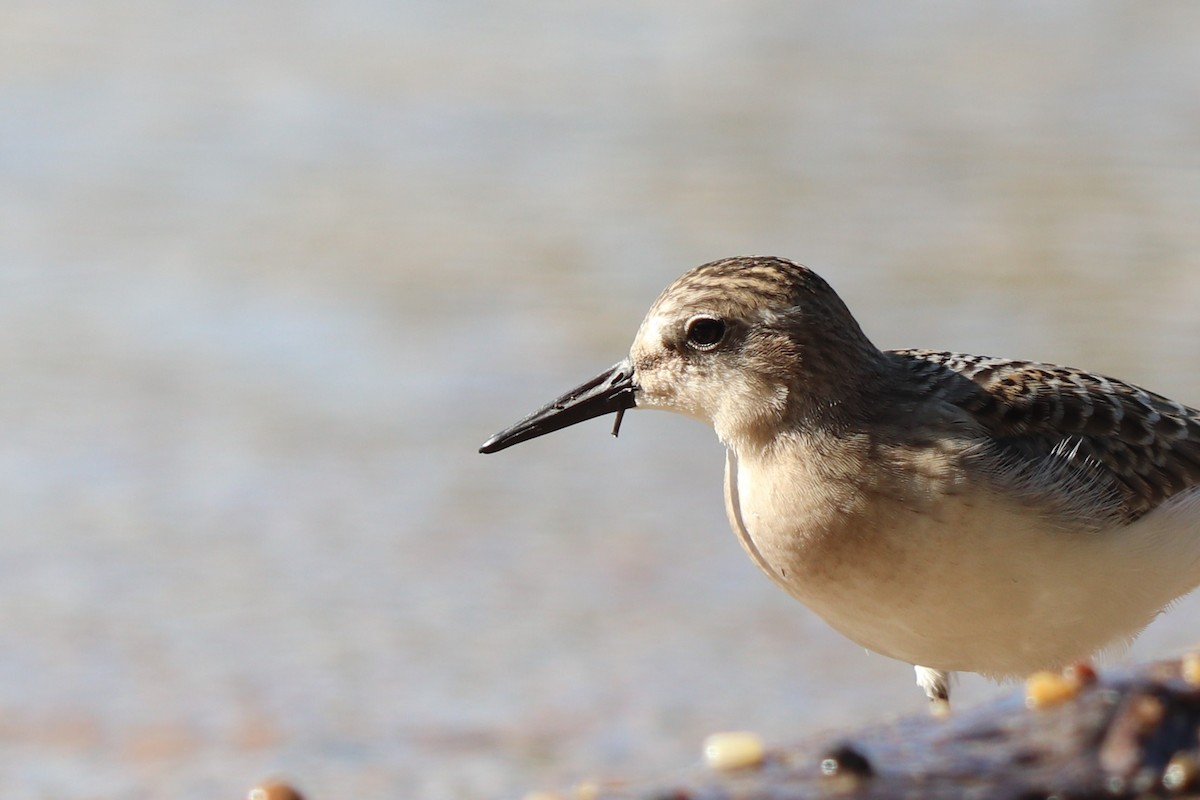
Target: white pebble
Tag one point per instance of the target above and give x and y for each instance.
(734, 750)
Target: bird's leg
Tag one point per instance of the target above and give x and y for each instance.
(936, 683)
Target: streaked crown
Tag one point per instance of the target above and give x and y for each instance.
(744, 342)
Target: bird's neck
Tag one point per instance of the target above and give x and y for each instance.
(829, 401)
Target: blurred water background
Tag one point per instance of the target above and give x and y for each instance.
(270, 272)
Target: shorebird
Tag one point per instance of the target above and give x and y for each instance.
(956, 512)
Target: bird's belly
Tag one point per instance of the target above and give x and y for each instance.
(929, 592)
(969, 582)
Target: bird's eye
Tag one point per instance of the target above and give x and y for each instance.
(704, 333)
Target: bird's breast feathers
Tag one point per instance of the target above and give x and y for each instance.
(952, 574)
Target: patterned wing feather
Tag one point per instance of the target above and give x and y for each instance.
(1143, 444)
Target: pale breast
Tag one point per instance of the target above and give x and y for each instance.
(952, 575)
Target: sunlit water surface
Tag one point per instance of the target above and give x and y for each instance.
(269, 274)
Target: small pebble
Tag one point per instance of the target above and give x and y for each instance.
(846, 759)
(1046, 689)
(1147, 711)
(274, 790)
(1181, 773)
(1191, 668)
(735, 750)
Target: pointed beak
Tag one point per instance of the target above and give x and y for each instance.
(612, 391)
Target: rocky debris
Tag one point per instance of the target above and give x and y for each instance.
(1125, 734)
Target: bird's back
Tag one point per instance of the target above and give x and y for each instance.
(1137, 447)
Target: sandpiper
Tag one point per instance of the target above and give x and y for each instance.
(957, 512)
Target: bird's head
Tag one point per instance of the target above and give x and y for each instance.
(749, 345)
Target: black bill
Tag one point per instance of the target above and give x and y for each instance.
(609, 392)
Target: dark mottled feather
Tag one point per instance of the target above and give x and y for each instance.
(1143, 445)
(1070, 432)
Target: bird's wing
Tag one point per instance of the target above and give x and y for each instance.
(1143, 445)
